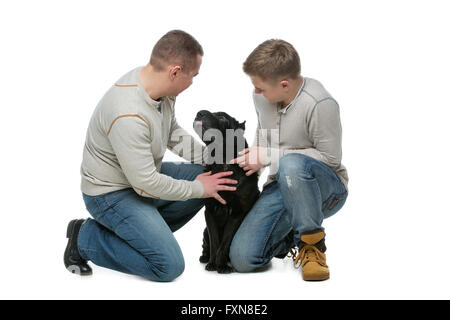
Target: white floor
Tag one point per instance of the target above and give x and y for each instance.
(366, 262)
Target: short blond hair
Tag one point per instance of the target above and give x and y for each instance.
(273, 60)
(176, 46)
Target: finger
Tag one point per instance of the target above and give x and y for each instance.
(219, 198)
(227, 181)
(226, 188)
(223, 174)
(244, 151)
(238, 160)
(205, 173)
(249, 173)
(248, 159)
(246, 168)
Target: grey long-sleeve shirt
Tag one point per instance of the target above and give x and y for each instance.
(310, 125)
(126, 140)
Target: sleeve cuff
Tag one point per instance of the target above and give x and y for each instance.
(197, 189)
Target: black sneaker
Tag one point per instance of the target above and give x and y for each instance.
(72, 259)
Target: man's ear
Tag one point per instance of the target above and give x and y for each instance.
(174, 71)
(284, 84)
(242, 125)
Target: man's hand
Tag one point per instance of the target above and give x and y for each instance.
(214, 183)
(252, 159)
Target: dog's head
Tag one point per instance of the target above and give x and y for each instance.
(218, 121)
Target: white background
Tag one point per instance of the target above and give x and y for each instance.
(385, 62)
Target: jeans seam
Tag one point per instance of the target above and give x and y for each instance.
(86, 249)
(99, 208)
(81, 250)
(109, 206)
(269, 233)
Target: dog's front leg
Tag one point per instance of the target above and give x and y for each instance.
(204, 258)
(213, 231)
(223, 253)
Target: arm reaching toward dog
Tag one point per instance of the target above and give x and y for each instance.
(256, 157)
(252, 159)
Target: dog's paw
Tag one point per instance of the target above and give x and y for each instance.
(211, 267)
(204, 259)
(224, 269)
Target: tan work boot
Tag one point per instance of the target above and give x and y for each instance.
(311, 257)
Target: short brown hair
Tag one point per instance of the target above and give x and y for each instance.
(272, 60)
(176, 46)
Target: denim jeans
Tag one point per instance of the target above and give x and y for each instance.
(134, 234)
(305, 192)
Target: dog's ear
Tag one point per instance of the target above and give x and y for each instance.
(242, 125)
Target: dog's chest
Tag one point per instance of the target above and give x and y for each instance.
(246, 188)
(218, 209)
(220, 213)
(238, 172)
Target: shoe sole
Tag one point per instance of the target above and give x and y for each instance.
(316, 278)
(74, 268)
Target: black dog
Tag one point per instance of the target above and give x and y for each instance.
(222, 221)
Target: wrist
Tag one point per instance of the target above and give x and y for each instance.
(198, 189)
(272, 155)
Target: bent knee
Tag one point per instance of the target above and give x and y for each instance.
(171, 273)
(243, 261)
(295, 164)
(165, 269)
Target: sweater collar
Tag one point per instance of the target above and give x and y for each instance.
(144, 94)
(292, 102)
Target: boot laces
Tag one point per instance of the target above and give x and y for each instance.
(308, 253)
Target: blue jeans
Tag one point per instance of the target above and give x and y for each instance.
(306, 191)
(134, 234)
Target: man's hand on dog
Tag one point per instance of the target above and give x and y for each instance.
(252, 159)
(214, 183)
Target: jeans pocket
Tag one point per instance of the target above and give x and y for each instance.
(92, 206)
(333, 204)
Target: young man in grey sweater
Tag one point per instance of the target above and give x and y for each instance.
(299, 136)
(137, 201)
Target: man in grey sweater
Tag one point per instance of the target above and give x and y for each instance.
(137, 201)
(299, 136)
